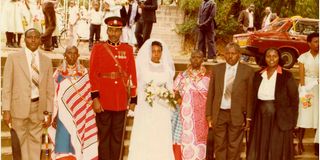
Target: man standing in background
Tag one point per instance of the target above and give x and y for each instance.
(246, 19)
(206, 26)
(50, 23)
(268, 18)
(74, 16)
(148, 17)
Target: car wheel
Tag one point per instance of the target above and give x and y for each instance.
(289, 57)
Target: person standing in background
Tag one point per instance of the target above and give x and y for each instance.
(309, 87)
(12, 24)
(95, 20)
(268, 18)
(74, 16)
(50, 23)
(129, 14)
(206, 24)
(246, 19)
(148, 17)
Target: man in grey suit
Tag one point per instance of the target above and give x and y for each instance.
(246, 19)
(229, 96)
(206, 24)
(27, 92)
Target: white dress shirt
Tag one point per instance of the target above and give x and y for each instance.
(226, 104)
(29, 53)
(95, 17)
(267, 86)
(250, 19)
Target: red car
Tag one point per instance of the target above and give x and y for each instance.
(289, 35)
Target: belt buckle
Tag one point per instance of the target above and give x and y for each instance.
(113, 75)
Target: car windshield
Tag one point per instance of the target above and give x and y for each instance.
(304, 27)
(274, 25)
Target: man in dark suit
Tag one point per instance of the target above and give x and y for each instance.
(246, 19)
(50, 23)
(148, 17)
(206, 26)
(229, 96)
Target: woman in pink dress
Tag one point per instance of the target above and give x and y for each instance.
(192, 87)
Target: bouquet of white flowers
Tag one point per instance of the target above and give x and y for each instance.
(160, 91)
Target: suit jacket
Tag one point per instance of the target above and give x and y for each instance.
(244, 18)
(17, 85)
(126, 15)
(149, 11)
(207, 12)
(286, 99)
(241, 96)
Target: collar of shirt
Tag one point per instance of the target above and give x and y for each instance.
(230, 67)
(279, 70)
(29, 52)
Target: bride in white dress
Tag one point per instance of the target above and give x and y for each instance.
(151, 137)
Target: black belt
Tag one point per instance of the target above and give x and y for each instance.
(35, 99)
(227, 110)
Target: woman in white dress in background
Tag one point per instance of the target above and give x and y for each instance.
(151, 137)
(309, 85)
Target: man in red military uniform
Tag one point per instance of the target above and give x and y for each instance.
(112, 78)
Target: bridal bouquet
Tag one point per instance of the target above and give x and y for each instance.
(306, 100)
(160, 91)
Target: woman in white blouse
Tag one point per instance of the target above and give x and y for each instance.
(309, 86)
(276, 103)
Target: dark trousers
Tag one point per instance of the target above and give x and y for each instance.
(94, 32)
(210, 145)
(143, 31)
(110, 128)
(227, 137)
(10, 39)
(206, 37)
(50, 24)
(139, 32)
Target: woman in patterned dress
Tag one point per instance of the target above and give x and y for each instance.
(73, 131)
(192, 87)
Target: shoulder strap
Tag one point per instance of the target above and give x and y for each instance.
(114, 59)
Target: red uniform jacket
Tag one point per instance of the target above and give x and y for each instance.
(112, 89)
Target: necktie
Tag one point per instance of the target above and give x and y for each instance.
(34, 72)
(230, 78)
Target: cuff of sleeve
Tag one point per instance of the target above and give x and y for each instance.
(95, 95)
(134, 100)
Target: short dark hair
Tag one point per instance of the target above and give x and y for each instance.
(263, 60)
(156, 43)
(233, 45)
(311, 36)
(196, 51)
(30, 29)
(71, 47)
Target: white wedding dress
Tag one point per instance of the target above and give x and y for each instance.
(151, 137)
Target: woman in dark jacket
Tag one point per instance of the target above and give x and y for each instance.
(276, 109)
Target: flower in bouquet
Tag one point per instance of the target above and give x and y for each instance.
(306, 100)
(160, 91)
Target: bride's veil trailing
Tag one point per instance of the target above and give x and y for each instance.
(144, 57)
